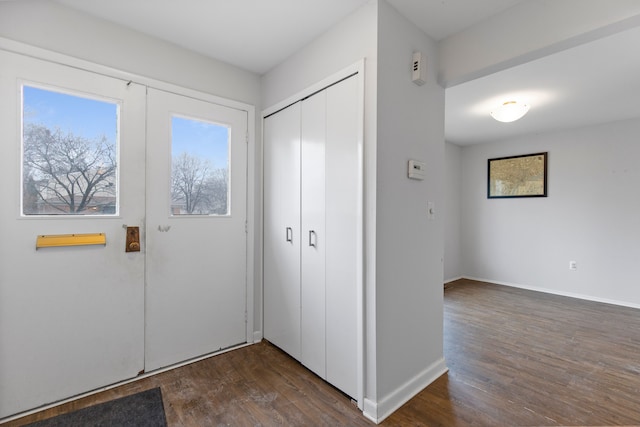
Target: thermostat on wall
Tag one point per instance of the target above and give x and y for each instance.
(416, 170)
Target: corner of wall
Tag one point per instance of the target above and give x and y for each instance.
(409, 273)
(379, 411)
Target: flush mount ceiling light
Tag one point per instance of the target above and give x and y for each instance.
(510, 111)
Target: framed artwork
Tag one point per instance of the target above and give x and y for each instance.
(517, 176)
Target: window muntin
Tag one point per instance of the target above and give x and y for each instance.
(199, 167)
(69, 153)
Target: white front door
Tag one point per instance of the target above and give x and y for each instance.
(82, 153)
(196, 228)
(71, 317)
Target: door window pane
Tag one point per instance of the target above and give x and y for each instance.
(199, 167)
(69, 156)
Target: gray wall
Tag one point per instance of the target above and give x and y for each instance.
(409, 243)
(590, 216)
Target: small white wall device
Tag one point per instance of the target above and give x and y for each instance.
(416, 170)
(419, 69)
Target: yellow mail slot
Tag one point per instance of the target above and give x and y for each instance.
(53, 240)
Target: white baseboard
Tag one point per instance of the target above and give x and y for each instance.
(257, 336)
(379, 411)
(452, 280)
(370, 410)
(556, 292)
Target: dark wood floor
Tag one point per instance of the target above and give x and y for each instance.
(522, 358)
(516, 358)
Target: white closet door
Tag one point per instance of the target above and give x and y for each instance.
(313, 188)
(343, 206)
(282, 237)
(314, 241)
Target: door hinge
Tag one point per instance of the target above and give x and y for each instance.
(246, 227)
(246, 137)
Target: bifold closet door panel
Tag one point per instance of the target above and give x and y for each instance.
(342, 209)
(282, 237)
(314, 240)
(312, 215)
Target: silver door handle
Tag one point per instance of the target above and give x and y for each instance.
(312, 242)
(289, 236)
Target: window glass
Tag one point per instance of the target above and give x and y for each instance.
(199, 167)
(69, 156)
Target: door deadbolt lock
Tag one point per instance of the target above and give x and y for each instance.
(133, 239)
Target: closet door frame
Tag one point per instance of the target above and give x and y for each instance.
(356, 71)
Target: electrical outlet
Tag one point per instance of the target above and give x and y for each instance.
(573, 265)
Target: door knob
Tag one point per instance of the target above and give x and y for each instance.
(133, 239)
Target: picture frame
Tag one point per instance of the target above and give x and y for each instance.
(517, 176)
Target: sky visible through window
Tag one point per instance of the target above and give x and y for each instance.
(205, 140)
(85, 117)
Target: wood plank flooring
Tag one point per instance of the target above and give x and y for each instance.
(522, 358)
(516, 358)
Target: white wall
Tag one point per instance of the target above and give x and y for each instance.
(451, 212)
(409, 246)
(347, 42)
(49, 25)
(590, 216)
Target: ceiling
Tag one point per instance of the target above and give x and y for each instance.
(589, 84)
(257, 35)
(583, 85)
